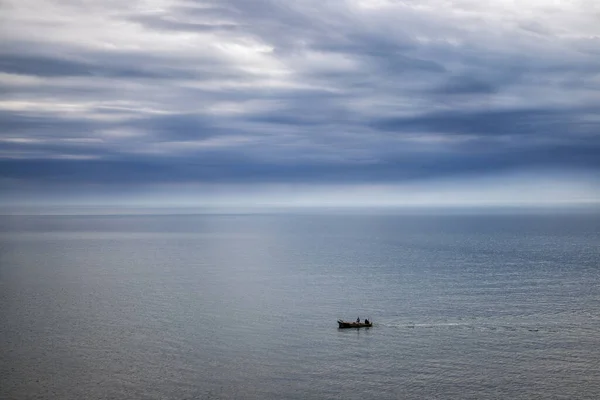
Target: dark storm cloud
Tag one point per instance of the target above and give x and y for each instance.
(468, 85)
(177, 126)
(55, 66)
(311, 91)
(541, 122)
(232, 168)
(40, 125)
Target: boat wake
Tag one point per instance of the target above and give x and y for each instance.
(475, 327)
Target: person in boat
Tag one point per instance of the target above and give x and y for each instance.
(366, 321)
(358, 320)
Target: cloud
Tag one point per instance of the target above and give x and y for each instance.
(46, 66)
(311, 92)
(509, 122)
(467, 85)
(156, 22)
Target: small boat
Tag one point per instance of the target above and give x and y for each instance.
(344, 324)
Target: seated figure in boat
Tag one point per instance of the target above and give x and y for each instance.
(366, 321)
(358, 320)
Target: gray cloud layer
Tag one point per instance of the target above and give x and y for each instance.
(311, 91)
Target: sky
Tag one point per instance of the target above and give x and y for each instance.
(329, 102)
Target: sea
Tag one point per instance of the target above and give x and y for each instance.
(243, 305)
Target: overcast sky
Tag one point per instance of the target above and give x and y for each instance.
(339, 101)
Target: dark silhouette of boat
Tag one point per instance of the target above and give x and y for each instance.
(345, 324)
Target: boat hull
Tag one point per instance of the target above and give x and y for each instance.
(356, 325)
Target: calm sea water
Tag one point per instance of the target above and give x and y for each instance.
(245, 306)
